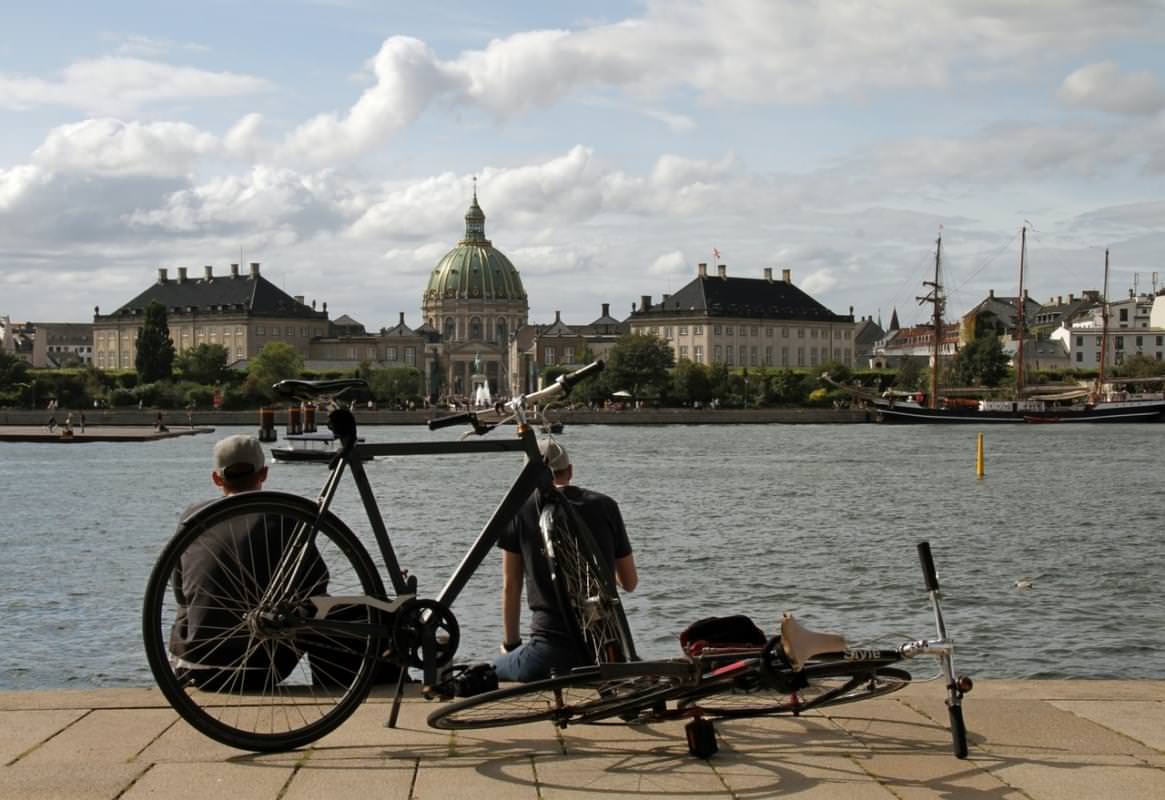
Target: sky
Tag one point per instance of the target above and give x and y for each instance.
(615, 145)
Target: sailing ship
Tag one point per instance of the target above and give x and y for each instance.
(306, 447)
(1101, 404)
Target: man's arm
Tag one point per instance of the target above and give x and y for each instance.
(513, 572)
(625, 572)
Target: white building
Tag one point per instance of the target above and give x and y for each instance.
(1136, 325)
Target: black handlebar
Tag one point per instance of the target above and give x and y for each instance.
(571, 378)
(452, 419)
(928, 573)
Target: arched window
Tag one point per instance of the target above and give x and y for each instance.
(501, 330)
(475, 329)
(450, 329)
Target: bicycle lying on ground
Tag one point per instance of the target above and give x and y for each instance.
(796, 672)
(290, 624)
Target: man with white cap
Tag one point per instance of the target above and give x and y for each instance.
(550, 647)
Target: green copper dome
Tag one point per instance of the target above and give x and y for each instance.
(474, 270)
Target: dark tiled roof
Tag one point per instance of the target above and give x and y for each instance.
(742, 297)
(254, 294)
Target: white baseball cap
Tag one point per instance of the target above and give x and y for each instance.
(553, 454)
(237, 456)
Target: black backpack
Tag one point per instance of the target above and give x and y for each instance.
(736, 630)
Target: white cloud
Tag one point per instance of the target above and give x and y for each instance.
(17, 181)
(112, 147)
(668, 264)
(118, 86)
(1105, 87)
(819, 282)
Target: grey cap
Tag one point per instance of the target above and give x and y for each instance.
(553, 454)
(238, 455)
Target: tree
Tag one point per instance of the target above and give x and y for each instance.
(981, 362)
(277, 361)
(1140, 365)
(155, 348)
(13, 370)
(640, 363)
(206, 363)
(397, 385)
(909, 374)
(690, 383)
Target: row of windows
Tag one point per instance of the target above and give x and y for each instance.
(746, 356)
(745, 330)
(1120, 356)
(1119, 341)
(497, 333)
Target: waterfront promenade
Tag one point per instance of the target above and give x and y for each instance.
(1028, 739)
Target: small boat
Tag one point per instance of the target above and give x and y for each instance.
(311, 447)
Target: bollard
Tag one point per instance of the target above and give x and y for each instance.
(309, 418)
(294, 426)
(267, 424)
(980, 471)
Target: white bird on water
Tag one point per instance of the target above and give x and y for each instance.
(1023, 583)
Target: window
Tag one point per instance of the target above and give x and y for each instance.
(728, 330)
(475, 328)
(800, 356)
(717, 357)
(500, 330)
(769, 332)
(752, 356)
(1159, 342)
(549, 353)
(683, 351)
(768, 356)
(683, 330)
(1139, 342)
(813, 356)
(743, 355)
(390, 354)
(801, 334)
(1079, 341)
(729, 353)
(1079, 355)
(1124, 315)
(667, 332)
(1120, 343)
(411, 356)
(784, 333)
(351, 353)
(698, 330)
(754, 330)
(812, 333)
(303, 332)
(259, 331)
(784, 356)
(698, 352)
(716, 332)
(450, 329)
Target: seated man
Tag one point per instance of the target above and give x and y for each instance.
(216, 584)
(550, 646)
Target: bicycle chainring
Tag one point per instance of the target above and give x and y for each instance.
(418, 620)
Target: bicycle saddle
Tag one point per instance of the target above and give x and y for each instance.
(295, 388)
(801, 644)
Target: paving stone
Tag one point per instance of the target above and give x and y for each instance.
(24, 730)
(352, 775)
(1143, 721)
(925, 775)
(250, 780)
(509, 776)
(75, 780)
(789, 772)
(103, 736)
(1101, 777)
(663, 772)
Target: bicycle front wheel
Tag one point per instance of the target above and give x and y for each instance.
(585, 589)
(251, 678)
(748, 696)
(582, 696)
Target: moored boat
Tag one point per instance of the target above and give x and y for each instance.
(308, 447)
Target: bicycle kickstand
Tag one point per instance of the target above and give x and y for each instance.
(701, 738)
(397, 697)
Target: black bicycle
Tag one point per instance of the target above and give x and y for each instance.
(793, 673)
(265, 620)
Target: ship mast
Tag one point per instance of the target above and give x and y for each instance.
(1103, 328)
(1019, 319)
(935, 297)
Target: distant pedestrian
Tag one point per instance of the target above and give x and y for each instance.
(69, 422)
(139, 405)
(52, 423)
(82, 422)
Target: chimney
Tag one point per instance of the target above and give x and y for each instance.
(664, 300)
(402, 318)
(234, 270)
(769, 274)
(787, 275)
(254, 269)
(181, 274)
(1025, 294)
(991, 294)
(606, 309)
(702, 269)
(851, 312)
(208, 272)
(1060, 300)
(325, 302)
(1071, 298)
(161, 274)
(313, 304)
(557, 317)
(632, 308)
(645, 302)
(723, 271)
(299, 299)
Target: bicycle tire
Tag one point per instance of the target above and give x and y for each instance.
(582, 696)
(261, 706)
(584, 587)
(829, 684)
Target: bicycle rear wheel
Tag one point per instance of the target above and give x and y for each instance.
(582, 696)
(828, 685)
(584, 586)
(251, 681)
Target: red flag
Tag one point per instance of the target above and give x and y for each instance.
(716, 253)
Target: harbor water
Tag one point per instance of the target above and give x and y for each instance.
(1052, 566)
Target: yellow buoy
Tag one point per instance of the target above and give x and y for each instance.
(979, 467)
